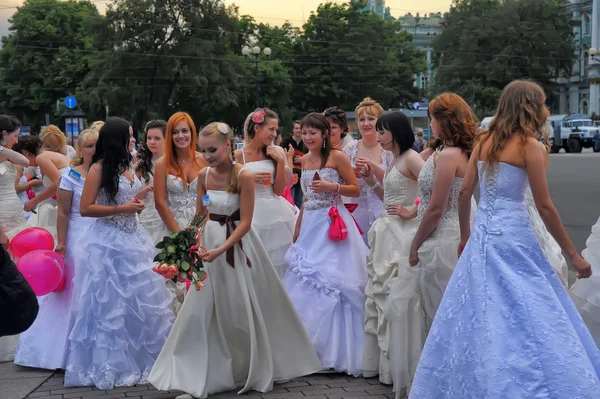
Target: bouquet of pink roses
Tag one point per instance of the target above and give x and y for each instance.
(179, 255)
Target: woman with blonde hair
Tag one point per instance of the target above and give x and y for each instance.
(175, 184)
(45, 344)
(48, 153)
(240, 331)
(363, 152)
(506, 326)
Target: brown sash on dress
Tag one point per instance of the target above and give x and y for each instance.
(229, 222)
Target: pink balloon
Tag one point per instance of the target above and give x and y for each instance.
(31, 239)
(418, 201)
(43, 269)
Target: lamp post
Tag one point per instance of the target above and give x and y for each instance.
(253, 53)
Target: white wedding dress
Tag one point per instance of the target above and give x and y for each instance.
(182, 204)
(274, 217)
(12, 221)
(45, 344)
(240, 330)
(389, 241)
(149, 218)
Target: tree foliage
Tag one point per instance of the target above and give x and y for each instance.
(489, 43)
(344, 55)
(45, 56)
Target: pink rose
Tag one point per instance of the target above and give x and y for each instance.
(258, 116)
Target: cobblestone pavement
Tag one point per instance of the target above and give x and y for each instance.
(319, 386)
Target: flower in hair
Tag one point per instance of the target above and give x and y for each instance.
(223, 128)
(258, 116)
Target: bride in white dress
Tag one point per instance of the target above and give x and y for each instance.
(326, 279)
(47, 152)
(152, 150)
(240, 330)
(45, 344)
(274, 217)
(176, 183)
(12, 220)
(390, 235)
(122, 309)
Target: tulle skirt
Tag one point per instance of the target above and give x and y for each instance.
(326, 282)
(586, 292)
(45, 344)
(123, 309)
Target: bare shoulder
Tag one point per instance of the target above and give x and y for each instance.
(338, 156)
(238, 155)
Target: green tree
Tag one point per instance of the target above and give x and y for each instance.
(488, 43)
(159, 57)
(344, 55)
(45, 56)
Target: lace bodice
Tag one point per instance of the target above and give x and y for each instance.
(12, 219)
(182, 201)
(123, 221)
(399, 190)
(319, 200)
(426, 179)
(504, 189)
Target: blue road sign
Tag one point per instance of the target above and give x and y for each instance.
(70, 102)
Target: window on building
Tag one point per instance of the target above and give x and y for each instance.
(424, 82)
(586, 59)
(584, 107)
(587, 26)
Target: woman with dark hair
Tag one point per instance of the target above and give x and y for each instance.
(152, 150)
(338, 121)
(46, 152)
(123, 313)
(389, 238)
(326, 279)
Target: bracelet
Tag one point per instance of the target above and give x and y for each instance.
(339, 186)
(374, 186)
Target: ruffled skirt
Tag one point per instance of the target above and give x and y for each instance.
(326, 282)
(123, 309)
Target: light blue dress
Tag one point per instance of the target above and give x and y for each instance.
(506, 327)
(123, 309)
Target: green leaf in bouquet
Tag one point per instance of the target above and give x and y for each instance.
(160, 245)
(156, 258)
(185, 266)
(171, 249)
(173, 236)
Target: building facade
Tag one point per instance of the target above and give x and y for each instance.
(423, 30)
(580, 93)
(378, 7)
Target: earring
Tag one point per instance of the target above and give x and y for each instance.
(324, 143)
(3, 142)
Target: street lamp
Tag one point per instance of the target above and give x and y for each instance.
(253, 53)
(593, 53)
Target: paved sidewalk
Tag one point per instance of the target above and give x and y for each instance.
(20, 383)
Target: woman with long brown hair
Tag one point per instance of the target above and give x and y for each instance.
(422, 278)
(326, 278)
(506, 326)
(274, 217)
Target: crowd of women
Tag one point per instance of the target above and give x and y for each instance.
(423, 288)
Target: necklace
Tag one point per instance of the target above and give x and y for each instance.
(338, 144)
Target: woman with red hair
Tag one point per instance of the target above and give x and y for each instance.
(175, 179)
(422, 278)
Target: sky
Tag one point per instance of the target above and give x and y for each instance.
(274, 12)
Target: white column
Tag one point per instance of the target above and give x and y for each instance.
(594, 64)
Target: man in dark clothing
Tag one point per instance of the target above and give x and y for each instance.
(296, 142)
